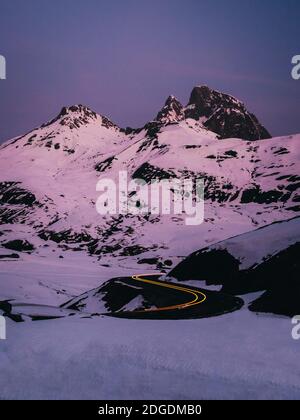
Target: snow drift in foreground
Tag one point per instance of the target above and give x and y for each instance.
(235, 356)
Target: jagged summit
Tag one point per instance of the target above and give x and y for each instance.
(218, 112)
(205, 100)
(75, 116)
(76, 127)
(224, 115)
(78, 109)
(171, 112)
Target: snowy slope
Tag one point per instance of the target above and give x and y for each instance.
(236, 356)
(48, 182)
(263, 259)
(47, 214)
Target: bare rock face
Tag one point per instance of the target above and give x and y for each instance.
(73, 116)
(76, 116)
(224, 115)
(218, 112)
(172, 111)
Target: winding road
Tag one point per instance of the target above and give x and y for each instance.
(173, 301)
(154, 298)
(198, 297)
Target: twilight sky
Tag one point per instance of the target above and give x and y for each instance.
(124, 57)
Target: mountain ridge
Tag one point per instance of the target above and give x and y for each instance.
(49, 176)
(218, 112)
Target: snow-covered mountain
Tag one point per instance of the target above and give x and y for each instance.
(48, 179)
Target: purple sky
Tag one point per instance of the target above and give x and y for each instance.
(124, 57)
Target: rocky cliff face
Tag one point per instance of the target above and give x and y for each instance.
(223, 114)
(218, 112)
(172, 111)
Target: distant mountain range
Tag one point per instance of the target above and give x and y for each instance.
(48, 180)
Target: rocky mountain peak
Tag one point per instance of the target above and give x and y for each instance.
(205, 101)
(75, 116)
(224, 115)
(78, 109)
(171, 112)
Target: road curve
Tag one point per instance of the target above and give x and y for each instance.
(198, 297)
(179, 302)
